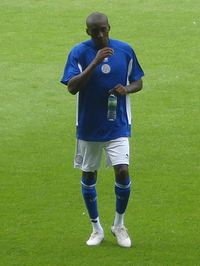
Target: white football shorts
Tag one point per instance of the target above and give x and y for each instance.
(88, 154)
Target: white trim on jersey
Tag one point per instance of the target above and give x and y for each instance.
(77, 100)
(128, 109)
(130, 67)
(77, 105)
(128, 101)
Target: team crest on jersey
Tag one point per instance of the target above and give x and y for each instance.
(105, 69)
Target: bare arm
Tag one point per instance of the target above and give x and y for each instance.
(78, 82)
(133, 87)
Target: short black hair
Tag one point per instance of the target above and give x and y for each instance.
(95, 16)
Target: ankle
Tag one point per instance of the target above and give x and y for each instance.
(119, 220)
(96, 225)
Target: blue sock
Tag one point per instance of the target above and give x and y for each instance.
(90, 197)
(122, 192)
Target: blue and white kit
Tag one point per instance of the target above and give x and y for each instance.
(121, 68)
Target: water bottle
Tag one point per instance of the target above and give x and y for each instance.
(112, 106)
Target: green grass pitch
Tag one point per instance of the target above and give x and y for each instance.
(43, 220)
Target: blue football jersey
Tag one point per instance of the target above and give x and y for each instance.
(92, 106)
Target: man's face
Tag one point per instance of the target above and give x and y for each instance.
(98, 30)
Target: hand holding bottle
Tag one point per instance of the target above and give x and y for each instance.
(118, 90)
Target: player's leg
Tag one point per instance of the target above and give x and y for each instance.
(88, 159)
(117, 152)
(89, 193)
(122, 192)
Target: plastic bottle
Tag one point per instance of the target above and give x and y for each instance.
(112, 107)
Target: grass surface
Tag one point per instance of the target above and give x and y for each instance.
(43, 220)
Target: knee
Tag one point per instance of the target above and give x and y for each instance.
(121, 172)
(89, 175)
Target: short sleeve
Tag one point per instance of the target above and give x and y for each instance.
(135, 70)
(72, 67)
